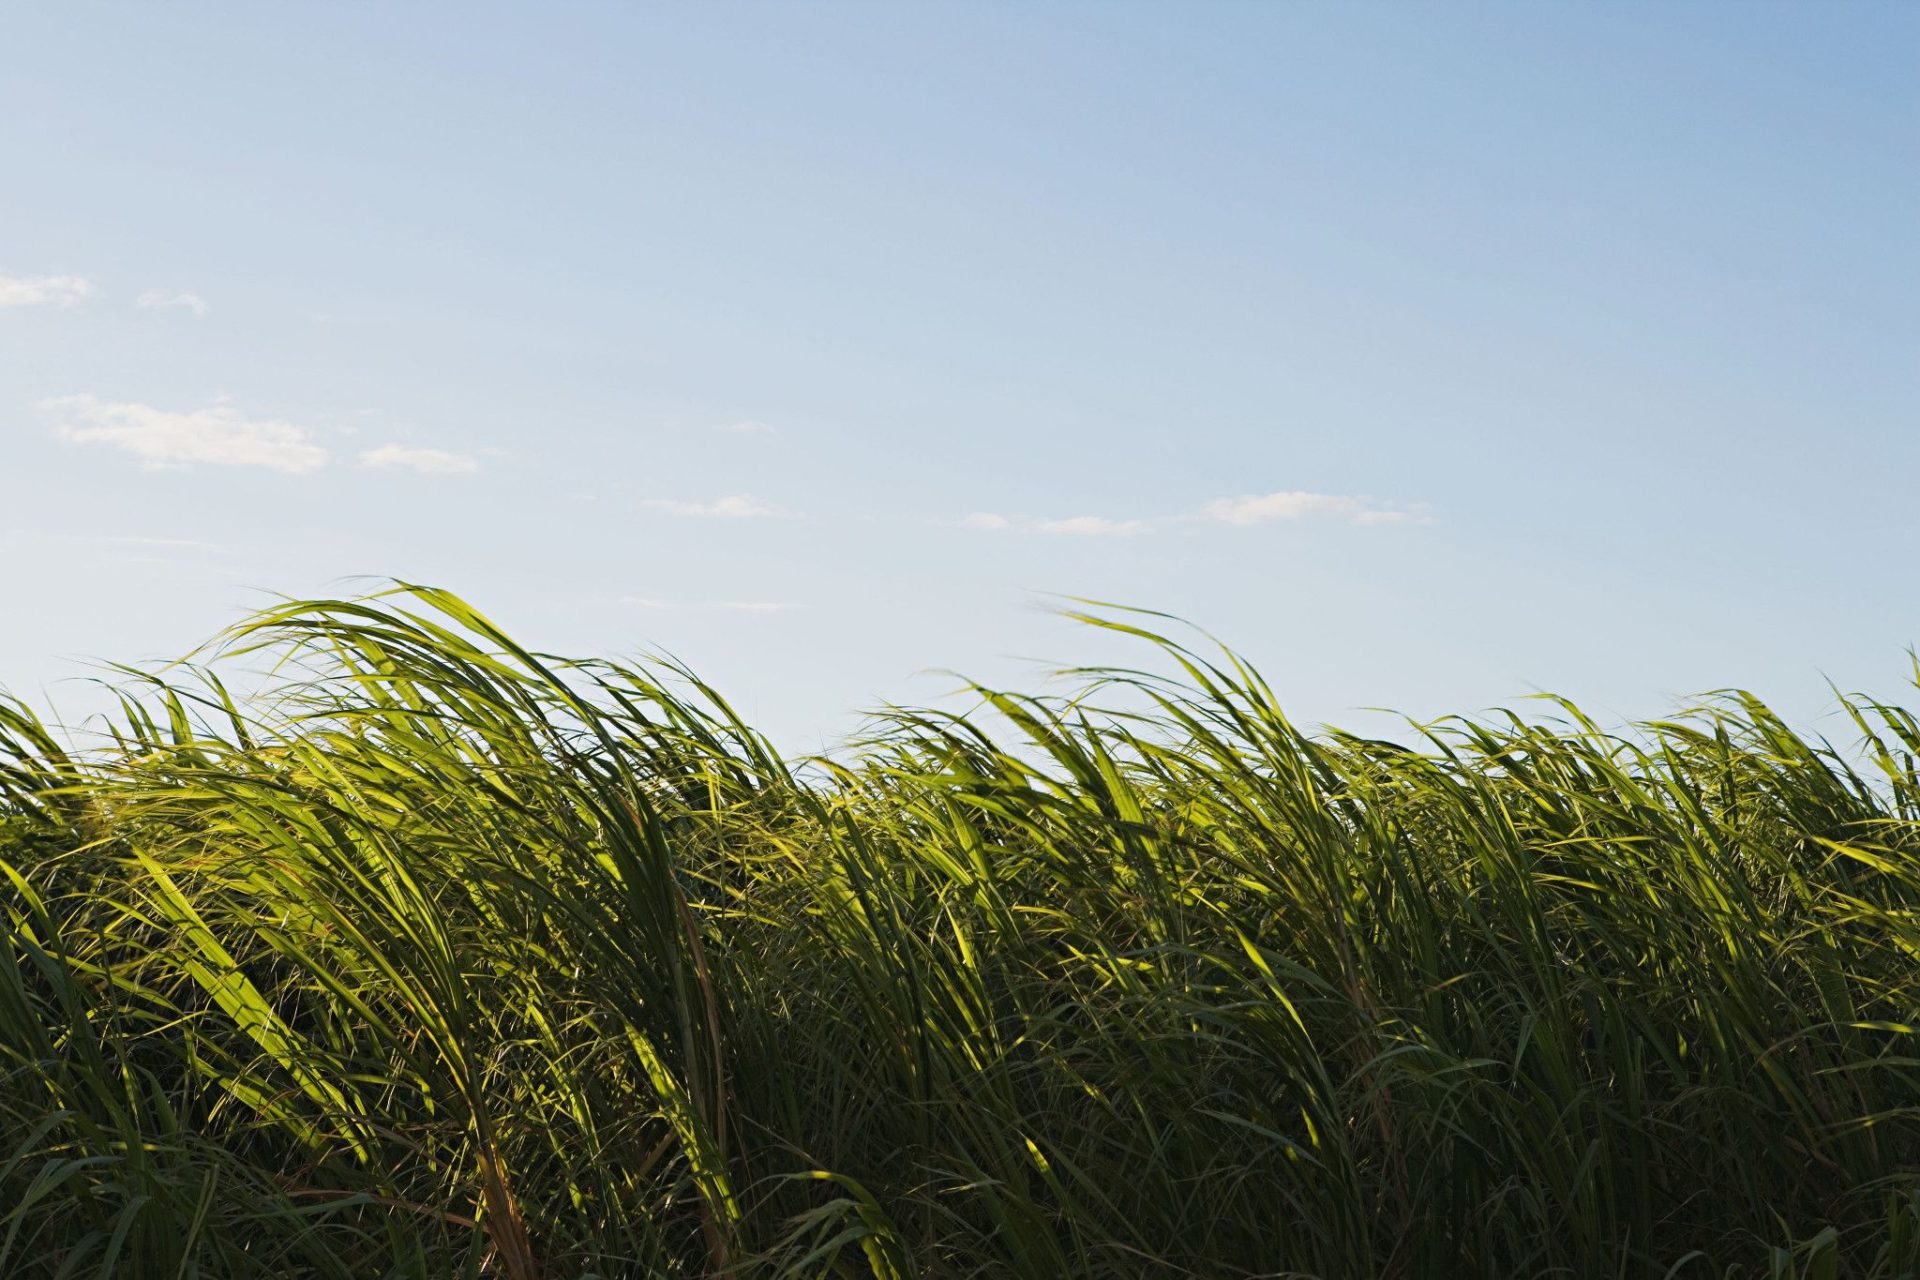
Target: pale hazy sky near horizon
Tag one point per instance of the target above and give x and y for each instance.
(1430, 353)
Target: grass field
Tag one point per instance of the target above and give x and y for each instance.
(444, 958)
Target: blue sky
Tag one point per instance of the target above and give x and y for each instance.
(1431, 354)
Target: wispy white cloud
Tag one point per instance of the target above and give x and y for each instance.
(735, 506)
(43, 291)
(726, 606)
(1072, 526)
(1249, 509)
(160, 300)
(217, 435)
(1091, 527)
(1296, 504)
(748, 427)
(431, 462)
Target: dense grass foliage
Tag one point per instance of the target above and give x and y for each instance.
(444, 958)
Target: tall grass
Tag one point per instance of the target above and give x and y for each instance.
(443, 957)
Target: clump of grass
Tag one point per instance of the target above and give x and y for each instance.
(443, 957)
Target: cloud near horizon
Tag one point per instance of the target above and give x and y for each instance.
(161, 300)
(159, 438)
(1091, 527)
(43, 291)
(1246, 510)
(431, 462)
(1072, 526)
(734, 506)
(1269, 508)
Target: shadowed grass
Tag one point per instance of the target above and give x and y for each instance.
(446, 958)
